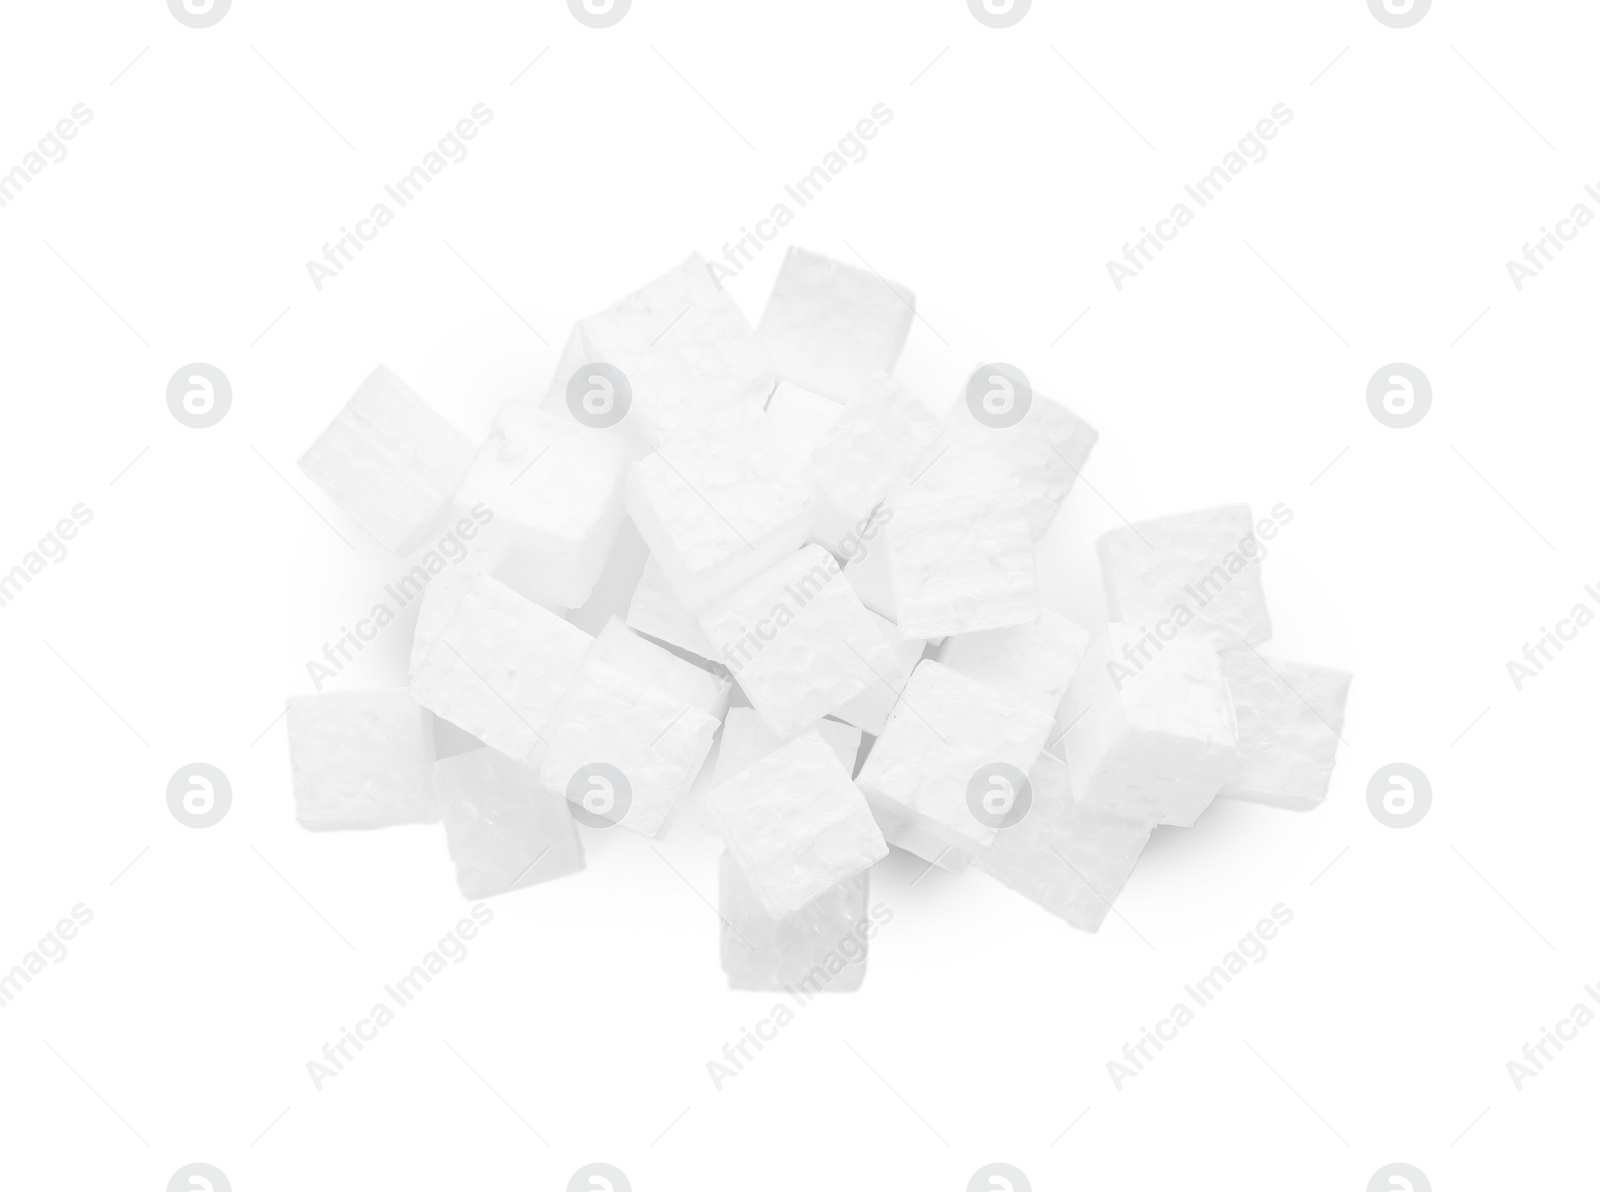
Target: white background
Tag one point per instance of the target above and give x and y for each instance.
(1419, 961)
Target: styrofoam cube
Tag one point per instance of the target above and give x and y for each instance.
(1024, 660)
(961, 561)
(1071, 859)
(555, 488)
(361, 759)
(798, 641)
(746, 739)
(870, 710)
(440, 599)
(833, 327)
(1290, 716)
(1148, 727)
(826, 936)
(943, 732)
(1196, 572)
(656, 744)
(654, 666)
(795, 824)
(500, 667)
(504, 830)
(389, 461)
(656, 612)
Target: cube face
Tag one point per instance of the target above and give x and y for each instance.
(944, 733)
(910, 834)
(796, 825)
(1156, 742)
(500, 667)
(504, 830)
(764, 954)
(361, 759)
(834, 328)
(746, 739)
(868, 572)
(800, 420)
(622, 649)
(1024, 660)
(656, 612)
(1071, 859)
(390, 461)
(440, 599)
(798, 641)
(1290, 716)
(638, 747)
(961, 561)
(1197, 571)
(870, 710)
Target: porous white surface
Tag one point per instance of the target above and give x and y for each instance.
(390, 461)
(946, 728)
(800, 420)
(1070, 858)
(911, 834)
(1202, 567)
(621, 648)
(798, 641)
(1024, 660)
(795, 824)
(361, 759)
(868, 568)
(1149, 733)
(659, 743)
(833, 327)
(870, 710)
(746, 739)
(961, 560)
(503, 829)
(499, 668)
(440, 599)
(1290, 716)
(761, 953)
(656, 611)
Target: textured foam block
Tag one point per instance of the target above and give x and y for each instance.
(716, 506)
(656, 744)
(795, 824)
(961, 561)
(504, 830)
(389, 461)
(870, 710)
(499, 669)
(624, 650)
(361, 759)
(833, 327)
(1290, 716)
(880, 438)
(555, 489)
(746, 739)
(1043, 454)
(763, 954)
(656, 612)
(798, 641)
(1198, 572)
(1071, 859)
(1025, 660)
(943, 732)
(1148, 728)
(440, 599)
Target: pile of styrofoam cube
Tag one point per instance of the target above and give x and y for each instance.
(849, 567)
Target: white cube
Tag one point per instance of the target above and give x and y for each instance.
(870, 710)
(823, 945)
(1290, 717)
(440, 598)
(746, 739)
(504, 830)
(655, 666)
(655, 611)
(361, 759)
(1024, 660)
